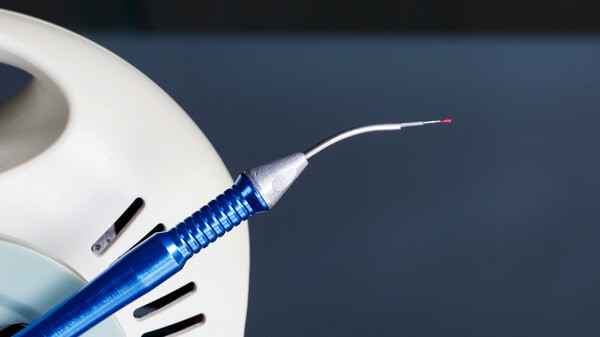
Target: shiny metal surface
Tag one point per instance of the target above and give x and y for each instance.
(327, 142)
(273, 179)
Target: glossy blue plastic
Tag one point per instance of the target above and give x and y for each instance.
(149, 264)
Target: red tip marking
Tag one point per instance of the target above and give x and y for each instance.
(446, 121)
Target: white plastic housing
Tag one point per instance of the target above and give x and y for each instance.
(86, 137)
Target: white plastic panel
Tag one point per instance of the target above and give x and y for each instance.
(122, 138)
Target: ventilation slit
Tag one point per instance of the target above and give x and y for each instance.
(108, 238)
(164, 301)
(173, 328)
(157, 229)
(9, 330)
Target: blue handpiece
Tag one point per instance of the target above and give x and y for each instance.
(164, 254)
(149, 264)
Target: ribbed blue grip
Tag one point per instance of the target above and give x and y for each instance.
(220, 215)
(149, 264)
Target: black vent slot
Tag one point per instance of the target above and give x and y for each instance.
(173, 328)
(110, 236)
(9, 330)
(157, 229)
(164, 301)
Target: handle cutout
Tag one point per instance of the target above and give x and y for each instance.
(33, 115)
(12, 80)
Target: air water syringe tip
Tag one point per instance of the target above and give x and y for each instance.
(273, 179)
(164, 254)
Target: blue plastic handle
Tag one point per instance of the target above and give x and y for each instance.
(149, 264)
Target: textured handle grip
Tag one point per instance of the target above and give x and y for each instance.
(220, 215)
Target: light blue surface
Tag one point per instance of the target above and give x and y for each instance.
(32, 283)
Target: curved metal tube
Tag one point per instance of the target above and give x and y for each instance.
(327, 142)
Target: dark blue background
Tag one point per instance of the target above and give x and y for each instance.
(487, 227)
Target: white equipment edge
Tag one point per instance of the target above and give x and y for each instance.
(86, 137)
